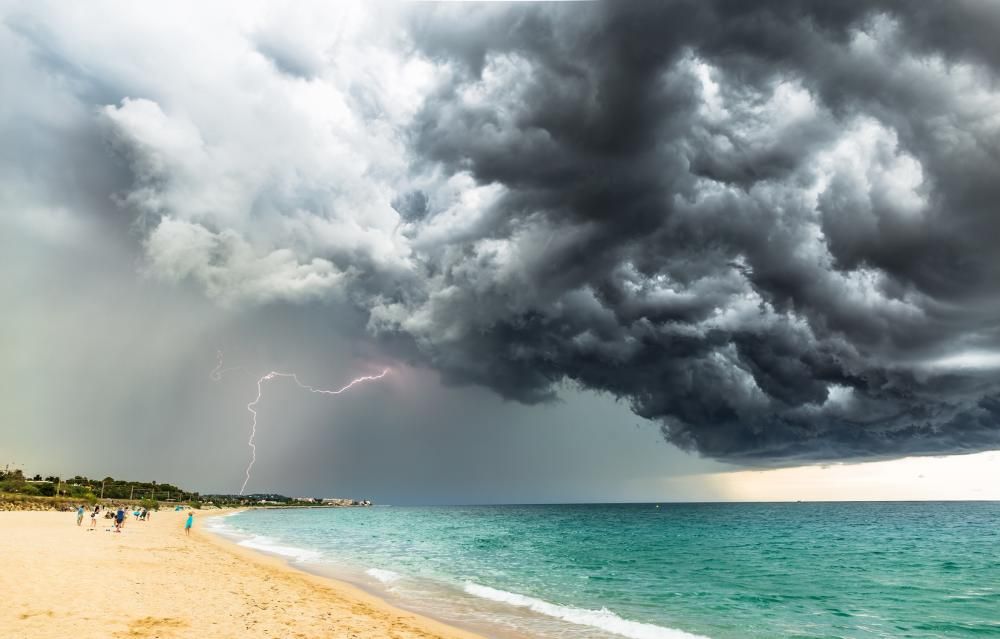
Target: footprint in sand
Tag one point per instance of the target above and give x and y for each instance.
(36, 613)
(152, 627)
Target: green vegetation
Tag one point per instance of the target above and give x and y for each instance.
(265, 500)
(90, 490)
(248, 500)
(256, 499)
(15, 487)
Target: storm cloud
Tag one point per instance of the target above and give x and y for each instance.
(770, 227)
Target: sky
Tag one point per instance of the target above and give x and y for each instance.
(611, 251)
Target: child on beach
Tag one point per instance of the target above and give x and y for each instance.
(188, 524)
(93, 518)
(79, 514)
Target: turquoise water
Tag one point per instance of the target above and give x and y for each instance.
(724, 571)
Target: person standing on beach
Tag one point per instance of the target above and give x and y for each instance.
(188, 524)
(79, 514)
(119, 519)
(93, 518)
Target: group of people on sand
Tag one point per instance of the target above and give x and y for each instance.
(121, 514)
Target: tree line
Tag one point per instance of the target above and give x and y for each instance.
(16, 481)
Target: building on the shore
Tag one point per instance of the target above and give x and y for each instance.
(337, 501)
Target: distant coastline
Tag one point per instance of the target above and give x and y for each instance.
(16, 502)
(21, 491)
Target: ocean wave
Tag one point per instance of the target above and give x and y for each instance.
(385, 576)
(602, 619)
(217, 523)
(266, 544)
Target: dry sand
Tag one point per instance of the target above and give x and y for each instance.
(61, 581)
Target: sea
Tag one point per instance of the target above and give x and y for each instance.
(660, 571)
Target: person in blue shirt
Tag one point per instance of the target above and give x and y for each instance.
(79, 514)
(188, 524)
(119, 519)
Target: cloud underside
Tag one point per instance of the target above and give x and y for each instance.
(765, 226)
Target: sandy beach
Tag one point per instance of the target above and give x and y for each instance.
(60, 580)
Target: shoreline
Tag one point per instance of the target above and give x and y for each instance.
(152, 580)
(325, 574)
(326, 577)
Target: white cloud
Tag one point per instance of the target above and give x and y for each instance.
(250, 167)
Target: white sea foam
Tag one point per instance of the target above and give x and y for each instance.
(602, 619)
(217, 523)
(266, 544)
(385, 576)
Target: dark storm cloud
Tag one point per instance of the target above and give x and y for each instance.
(770, 227)
(756, 222)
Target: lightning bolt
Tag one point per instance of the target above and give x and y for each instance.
(311, 389)
(217, 372)
(216, 375)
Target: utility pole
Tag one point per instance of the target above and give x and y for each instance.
(130, 493)
(102, 489)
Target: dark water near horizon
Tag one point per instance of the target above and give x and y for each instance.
(723, 571)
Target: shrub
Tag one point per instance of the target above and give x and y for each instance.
(84, 493)
(11, 486)
(24, 489)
